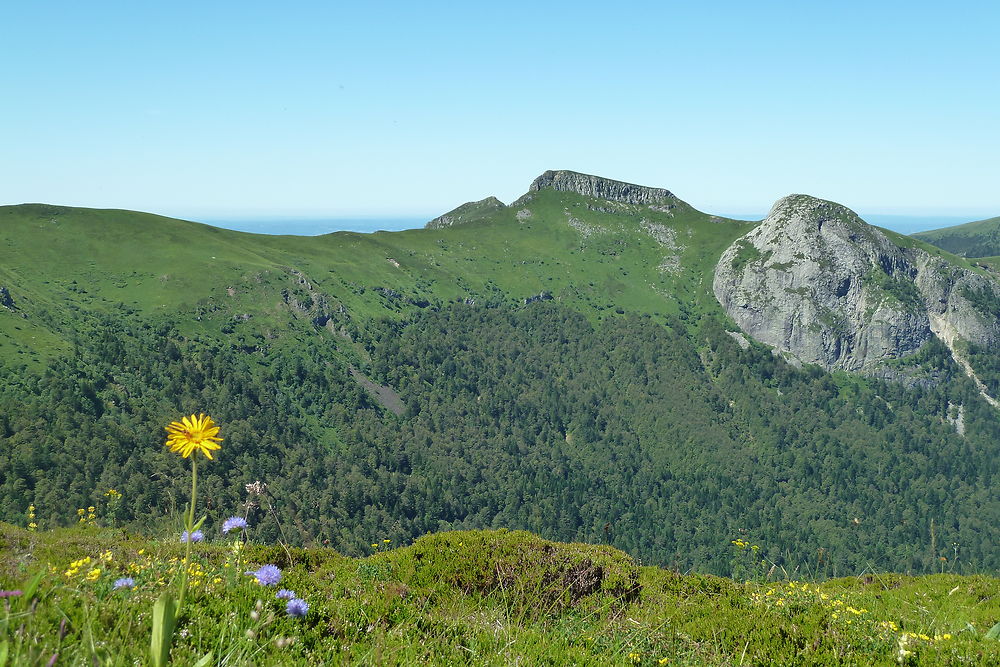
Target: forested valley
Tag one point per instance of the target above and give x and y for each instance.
(660, 435)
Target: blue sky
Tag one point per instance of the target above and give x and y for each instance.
(248, 109)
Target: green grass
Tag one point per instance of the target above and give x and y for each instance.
(473, 597)
(973, 239)
(258, 290)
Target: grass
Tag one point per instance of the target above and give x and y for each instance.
(258, 290)
(472, 597)
(973, 239)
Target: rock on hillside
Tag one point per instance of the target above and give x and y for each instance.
(820, 284)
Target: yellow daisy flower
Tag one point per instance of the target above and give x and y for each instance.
(194, 433)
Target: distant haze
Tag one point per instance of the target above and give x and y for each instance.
(298, 226)
(317, 226)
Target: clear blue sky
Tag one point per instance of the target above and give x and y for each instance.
(261, 109)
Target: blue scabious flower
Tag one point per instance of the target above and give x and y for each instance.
(285, 594)
(196, 536)
(233, 523)
(124, 582)
(267, 575)
(297, 607)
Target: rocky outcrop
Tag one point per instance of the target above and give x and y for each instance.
(466, 213)
(821, 285)
(6, 300)
(603, 188)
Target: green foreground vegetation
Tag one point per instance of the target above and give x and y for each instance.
(471, 597)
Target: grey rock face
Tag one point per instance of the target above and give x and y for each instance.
(603, 188)
(818, 283)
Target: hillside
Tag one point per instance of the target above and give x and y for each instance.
(561, 364)
(470, 597)
(615, 255)
(973, 239)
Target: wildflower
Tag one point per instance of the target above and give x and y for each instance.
(196, 536)
(233, 523)
(256, 488)
(124, 582)
(194, 433)
(94, 574)
(285, 594)
(11, 594)
(32, 526)
(297, 607)
(267, 575)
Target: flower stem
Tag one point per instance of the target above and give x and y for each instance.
(189, 527)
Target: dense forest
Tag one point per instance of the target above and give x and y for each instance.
(662, 436)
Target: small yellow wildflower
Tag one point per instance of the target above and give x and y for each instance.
(194, 433)
(94, 574)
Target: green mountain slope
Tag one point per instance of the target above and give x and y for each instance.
(560, 364)
(57, 260)
(973, 239)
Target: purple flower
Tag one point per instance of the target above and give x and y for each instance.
(267, 575)
(285, 594)
(124, 582)
(11, 594)
(196, 536)
(297, 607)
(232, 523)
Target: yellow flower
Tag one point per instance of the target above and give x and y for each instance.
(93, 574)
(193, 433)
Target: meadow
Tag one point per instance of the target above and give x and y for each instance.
(86, 595)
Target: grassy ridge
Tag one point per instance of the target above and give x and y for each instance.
(973, 239)
(475, 597)
(58, 259)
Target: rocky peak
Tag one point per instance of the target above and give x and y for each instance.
(602, 188)
(818, 283)
(467, 212)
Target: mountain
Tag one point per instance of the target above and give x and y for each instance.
(597, 361)
(973, 239)
(818, 283)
